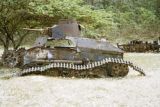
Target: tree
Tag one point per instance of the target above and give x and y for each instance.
(14, 16)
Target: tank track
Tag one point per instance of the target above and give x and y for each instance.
(78, 70)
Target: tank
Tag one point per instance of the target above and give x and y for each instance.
(141, 46)
(63, 52)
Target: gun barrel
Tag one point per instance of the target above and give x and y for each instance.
(39, 30)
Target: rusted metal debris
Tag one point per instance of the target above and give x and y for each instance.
(141, 46)
(80, 57)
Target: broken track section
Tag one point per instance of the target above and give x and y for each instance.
(71, 70)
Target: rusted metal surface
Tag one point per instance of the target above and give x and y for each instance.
(140, 46)
(114, 67)
(60, 61)
(13, 58)
(70, 27)
(94, 44)
(65, 27)
(83, 57)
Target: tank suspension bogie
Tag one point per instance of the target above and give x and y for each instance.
(114, 67)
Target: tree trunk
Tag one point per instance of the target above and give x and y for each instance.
(6, 44)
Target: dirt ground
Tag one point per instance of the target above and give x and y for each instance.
(131, 91)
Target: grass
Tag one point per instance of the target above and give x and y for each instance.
(131, 91)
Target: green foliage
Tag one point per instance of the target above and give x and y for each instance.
(97, 22)
(132, 19)
(111, 19)
(104, 18)
(13, 17)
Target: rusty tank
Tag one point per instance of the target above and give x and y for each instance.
(63, 52)
(141, 46)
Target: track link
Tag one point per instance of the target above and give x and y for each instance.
(85, 67)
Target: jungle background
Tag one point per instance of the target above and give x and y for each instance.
(115, 20)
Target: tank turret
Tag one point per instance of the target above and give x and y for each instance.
(74, 56)
(64, 28)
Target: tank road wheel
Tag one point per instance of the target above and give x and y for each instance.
(70, 73)
(52, 72)
(117, 69)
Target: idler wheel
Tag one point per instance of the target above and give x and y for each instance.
(117, 69)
